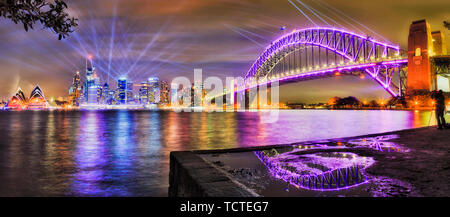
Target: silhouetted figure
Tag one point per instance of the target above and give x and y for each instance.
(440, 108)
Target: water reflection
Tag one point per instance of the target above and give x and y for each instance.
(326, 168)
(379, 143)
(320, 171)
(122, 153)
(90, 156)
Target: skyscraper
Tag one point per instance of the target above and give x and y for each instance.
(104, 94)
(153, 90)
(91, 87)
(130, 94)
(122, 90)
(174, 93)
(143, 93)
(165, 93)
(75, 90)
(98, 87)
(197, 93)
(112, 100)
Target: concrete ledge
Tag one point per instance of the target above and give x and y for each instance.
(191, 176)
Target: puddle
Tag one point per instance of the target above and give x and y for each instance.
(379, 143)
(296, 171)
(321, 171)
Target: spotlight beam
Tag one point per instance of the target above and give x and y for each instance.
(303, 13)
(147, 47)
(245, 36)
(111, 41)
(306, 6)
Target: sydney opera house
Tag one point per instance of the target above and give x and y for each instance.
(36, 101)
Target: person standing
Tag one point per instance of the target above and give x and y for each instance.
(440, 109)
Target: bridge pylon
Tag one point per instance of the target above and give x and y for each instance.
(424, 47)
(420, 47)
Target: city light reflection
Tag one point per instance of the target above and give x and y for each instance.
(122, 153)
(90, 156)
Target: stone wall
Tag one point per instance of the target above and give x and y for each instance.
(191, 176)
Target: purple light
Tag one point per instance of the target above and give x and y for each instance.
(326, 171)
(379, 143)
(283, 38)
(291, 39)
(402, 61)
(332, 70)
(331, 180)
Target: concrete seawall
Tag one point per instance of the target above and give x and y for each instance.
(191, 176)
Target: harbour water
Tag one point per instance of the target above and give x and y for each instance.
(126, 153)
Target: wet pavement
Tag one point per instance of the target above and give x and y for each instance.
(354, 167)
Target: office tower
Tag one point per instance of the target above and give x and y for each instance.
(143, 93)
(75, 90)
(112, 98)
(98, 87)
(165, 93)
(91, 87)
(197, 89)
(153, 90)
(130, 93)
(122, 90)
(104, 94)
(174, 93)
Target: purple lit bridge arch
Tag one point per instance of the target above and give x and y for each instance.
(315, 53)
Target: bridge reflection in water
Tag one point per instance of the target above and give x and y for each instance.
(325, 171)
(321, 166)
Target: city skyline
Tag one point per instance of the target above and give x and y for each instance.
(223, 45)
(226, 99)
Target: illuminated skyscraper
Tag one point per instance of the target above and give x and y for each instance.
(91, 86)
(130, 94)
(98, 87)
(153, 90)
(196, 95)
(122, 90)
(104, 94)
(174, 93)
(165, 93)
(112, 97)
(143, 93)
(75, 90)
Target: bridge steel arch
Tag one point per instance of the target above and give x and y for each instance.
(327, 51)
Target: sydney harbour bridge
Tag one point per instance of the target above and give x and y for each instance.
(314, 53)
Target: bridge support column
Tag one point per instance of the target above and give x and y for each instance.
(235, 100)
(258, 103)
(420, 47)
(224, 102)
(247, 99)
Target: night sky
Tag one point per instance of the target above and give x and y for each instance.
(169, 38)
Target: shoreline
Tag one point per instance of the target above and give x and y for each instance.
(227, 110)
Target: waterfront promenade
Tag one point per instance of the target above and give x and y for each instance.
(418, 166)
